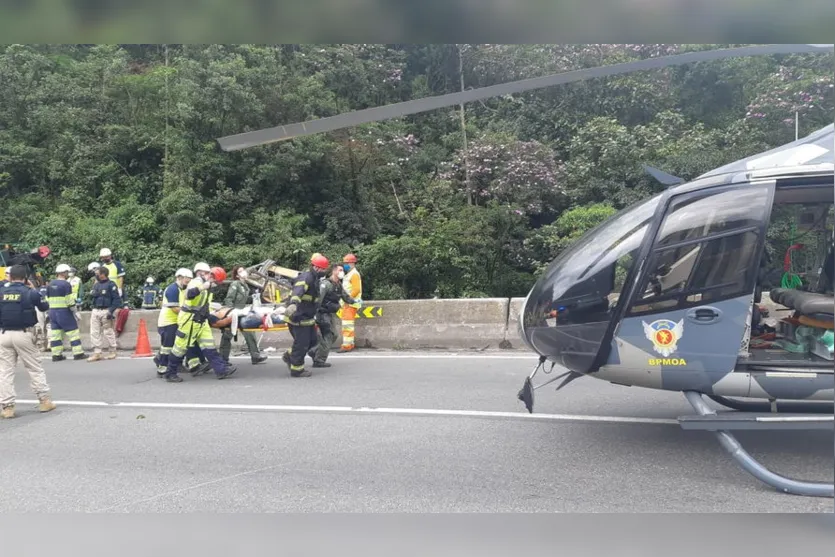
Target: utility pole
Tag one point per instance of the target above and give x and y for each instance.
(464, 131)
(165, 155)
(796, 125)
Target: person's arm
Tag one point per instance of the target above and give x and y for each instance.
(38, 301)
(120, 274)
(115, 300)
(300, 288)
(171, 299)
(355, 281)
(69, 295)
(193, 291)
(232, 295)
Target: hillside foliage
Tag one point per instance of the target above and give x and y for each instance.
(114, 145)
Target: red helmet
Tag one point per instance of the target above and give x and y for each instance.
(320, 261)
(218, 274)
(350, 258)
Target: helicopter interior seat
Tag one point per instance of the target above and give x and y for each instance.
(810, 304)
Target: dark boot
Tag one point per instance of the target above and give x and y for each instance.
(227, 372)
(58, 358)
(174, 364)
(222, 369)
(259, 359)
(80, 357)
(321, 364)
(200, 369)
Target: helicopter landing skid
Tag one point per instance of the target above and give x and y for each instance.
(709, 420)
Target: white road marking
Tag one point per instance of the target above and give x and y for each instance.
(363, 410)
(528, 356)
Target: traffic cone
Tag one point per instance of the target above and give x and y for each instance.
(143, 343)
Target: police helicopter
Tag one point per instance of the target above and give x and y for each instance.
(667, 294)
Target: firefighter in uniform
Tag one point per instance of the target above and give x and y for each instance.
(352, 283)
(61, 300)
(150, 294)
(193, 324)
(330, 295)
(300, 315)
(17, 326)
(172, 297)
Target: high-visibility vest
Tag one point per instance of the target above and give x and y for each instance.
(352, 283)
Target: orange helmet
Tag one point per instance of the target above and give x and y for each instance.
(218, 274)
(320, 261)
(350, 258)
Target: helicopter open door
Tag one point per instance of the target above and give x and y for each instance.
(690, 306)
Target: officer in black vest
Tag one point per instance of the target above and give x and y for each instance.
(17, 325)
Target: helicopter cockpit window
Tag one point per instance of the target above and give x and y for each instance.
(705, 251)
(569, 309)
(583, 284)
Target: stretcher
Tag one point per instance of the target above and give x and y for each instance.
(263, 318)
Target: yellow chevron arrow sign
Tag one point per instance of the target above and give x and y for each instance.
(368, 312)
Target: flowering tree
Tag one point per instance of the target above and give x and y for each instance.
(806, 88)
(507, 170)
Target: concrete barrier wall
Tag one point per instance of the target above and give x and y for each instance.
(470, 324)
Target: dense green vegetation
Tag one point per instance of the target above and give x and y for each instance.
(105, 145)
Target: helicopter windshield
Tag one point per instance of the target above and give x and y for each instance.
(568, 310)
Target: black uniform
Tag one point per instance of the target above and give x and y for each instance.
(302, 322)
(17, 320)
(330, 295)
(105, 295)
(17, 307)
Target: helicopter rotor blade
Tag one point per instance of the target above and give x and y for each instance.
(349, 119)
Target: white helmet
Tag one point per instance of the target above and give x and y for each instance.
(62, 268)
(202, 267)
(150, 280)
(93, 266)
(183, 272)
(104, 252)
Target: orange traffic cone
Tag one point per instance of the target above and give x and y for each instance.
(143, 343)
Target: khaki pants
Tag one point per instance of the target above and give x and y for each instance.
(14, 345)
(101, 325)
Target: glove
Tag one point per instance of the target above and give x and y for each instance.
(110, 316)
(291, 309)
(213, 319)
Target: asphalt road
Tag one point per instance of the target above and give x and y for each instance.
(347, 445)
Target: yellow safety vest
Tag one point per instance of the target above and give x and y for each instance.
(352, 283)
(167, 316)
(188, 307)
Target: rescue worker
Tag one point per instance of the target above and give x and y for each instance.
(300, 315)
(172, 297)
(105, 302)
(193, 324)
(238, 296)
(17, 325)
(352, 283)
(115, 268)
(62, 320)
(75, 282)
(331, 293)
(150, 294)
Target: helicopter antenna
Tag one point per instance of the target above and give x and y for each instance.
(661, 176)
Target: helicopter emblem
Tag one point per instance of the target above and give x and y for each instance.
(664, 334)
